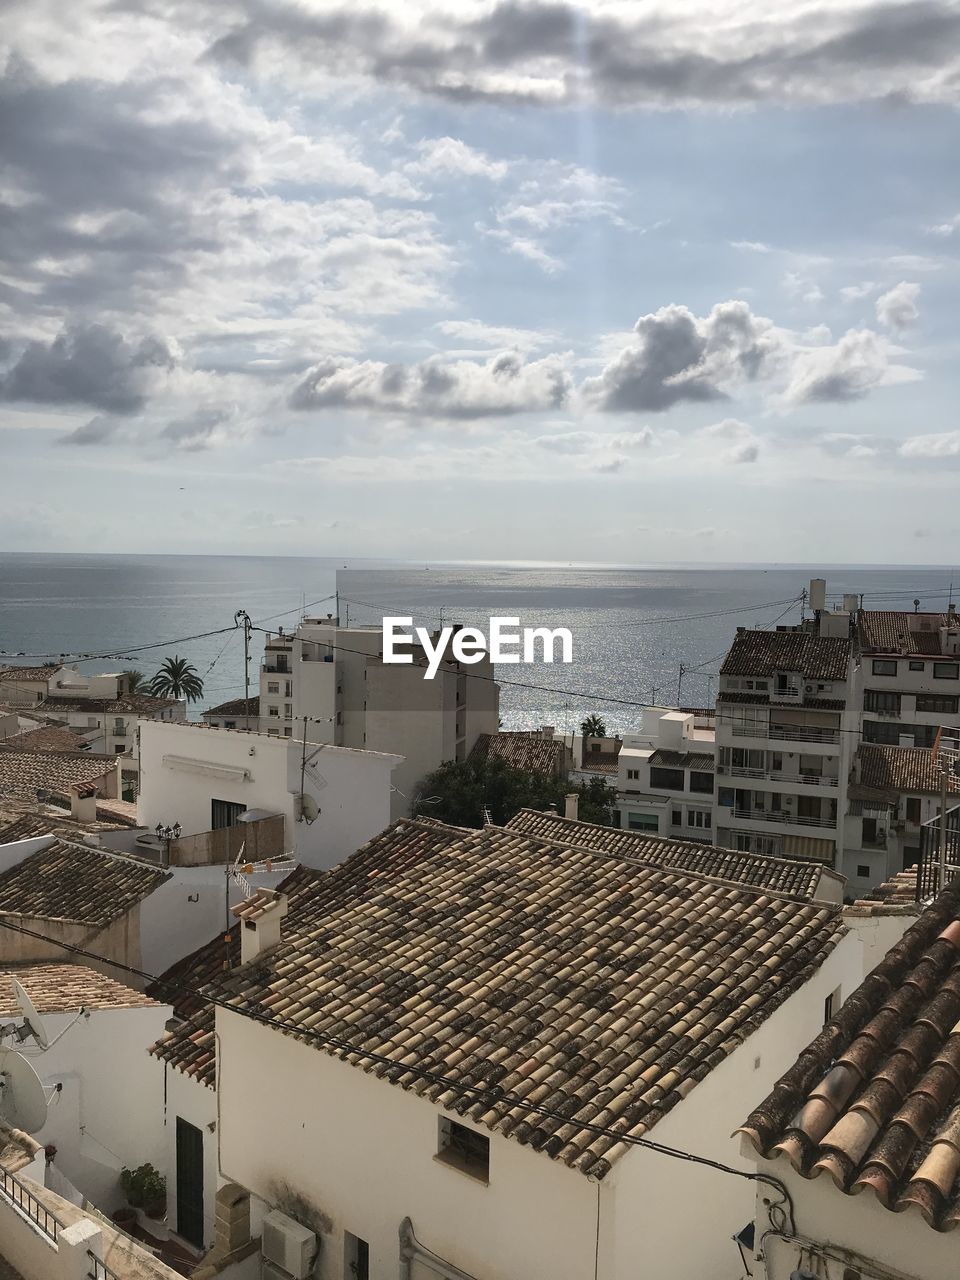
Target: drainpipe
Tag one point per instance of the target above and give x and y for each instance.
(411, 1249)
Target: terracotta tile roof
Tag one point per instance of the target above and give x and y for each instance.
(898, 894)
(46, 738)
(763, 653)
(682, 759)
(599, 763)
(26, 673)
(235, 707)
(74, 882)
(23, 827)
(524, 750)
(55, 988)
(874, 1100)
(132, 704)
(190, 1046)
(23, 773)
(911, 769)
(795, 878)
(881, 631)
(538, 972)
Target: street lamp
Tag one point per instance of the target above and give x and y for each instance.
(165, 835)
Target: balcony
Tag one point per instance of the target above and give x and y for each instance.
(783, 819)
(119, 731)
(791, 692)
(803, 733)
(777, 775)
(277, 667)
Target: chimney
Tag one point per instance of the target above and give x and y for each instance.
(547, 731)
(83, 802)
(571, 805)
(260, 922)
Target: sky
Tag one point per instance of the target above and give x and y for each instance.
(511, 279)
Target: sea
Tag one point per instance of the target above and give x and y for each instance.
(641, 634)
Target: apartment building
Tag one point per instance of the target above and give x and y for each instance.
(788, 715)
(332, 683)
(665, 777)
(911, 675)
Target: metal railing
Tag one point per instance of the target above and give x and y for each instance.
(777, 775)
(803, 733)
(783, 819)
(99, 1269)
(928, 868)
(18, 1194)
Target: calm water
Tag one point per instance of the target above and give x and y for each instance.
(632, 628)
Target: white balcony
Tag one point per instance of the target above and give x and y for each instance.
(808, 779)
(783, 819)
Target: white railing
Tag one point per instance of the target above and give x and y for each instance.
(782, 818)
(803, 733)
(777, 775)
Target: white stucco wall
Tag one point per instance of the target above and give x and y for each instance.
(109, 1111)
(362, 1152)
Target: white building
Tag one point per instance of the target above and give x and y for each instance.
(518, 1010)
(228, 787)
(863, 1130)
(787, 731)
(665, 776)
(334, 680)
(104, 709)
(911, 675)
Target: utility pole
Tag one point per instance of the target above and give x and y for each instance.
(680, 681)
(803, 604)
(242, 618)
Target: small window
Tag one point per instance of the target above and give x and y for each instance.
(633, 775)
(702, 782)
(464, 1149)
(884, 667)
(643, 822)
(915, 665)
(863, 871)
(273, 711)
(676, 817)
(831, 1005)
(937, 703)
(273, 686)
(356, 1258)
(946, 671)
(666, 779)
(287, 731)
(913, 810)
(698, 818)
(229, 724)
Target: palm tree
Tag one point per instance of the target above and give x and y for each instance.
(177, 678)
(593, 727)
(136, 681)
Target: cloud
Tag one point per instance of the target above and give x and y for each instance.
(682, 357)
(945, 444)
(478, 333)
(523, 247)
(557, 52)
(452, 157)
(202, 429)
(505, 384)
(741, 445)
(856, 292)
(847, 370)
(948, 228)
(751, 246)
(89, 365)
(897, 308)
(99, 430)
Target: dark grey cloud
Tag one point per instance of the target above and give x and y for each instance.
(197, 430)
(504, 385)
(99, 430)
(521, 50)
(682, 357)
(88, 365)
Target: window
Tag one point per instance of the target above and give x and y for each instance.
(915, 665)
(702, 782)
(273, 711)
(287, 731)
(287, 711)
(863, 871)
(288, 689)
(831, 1005)
(676, 817)
(884, 667)
(881, 700)
(273, 686)
(761, 684)
(633, 775)
(356, 1258)
(119, 748)
(937, 702)
(643, 822)
(595, 746)
(225, 813)
(946, 671)
(913, 810)
(666, 779)
(464, 1149)
(229, 724)
(698, 818)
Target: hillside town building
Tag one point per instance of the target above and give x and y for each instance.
(665, 776)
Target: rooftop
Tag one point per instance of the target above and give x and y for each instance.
(77, 883)
(46, 738)
(795, 878)
(27, 673)
(874, 1101)
(898, 895)
(59, 988)
(23, 773)
(763, 653)
(682, 759)
(901, 769)
(530, 751)
(132, 704)
(554, 976)
(235, 707)
(916, 634)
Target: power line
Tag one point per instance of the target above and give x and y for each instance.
(489, 1097)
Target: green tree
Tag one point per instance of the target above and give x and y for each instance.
(136, 681)
(460, 790)
(177, 678)
(593, 727)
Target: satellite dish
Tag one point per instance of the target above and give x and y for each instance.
(32, 1024)
(309, 809)
(23, 1104)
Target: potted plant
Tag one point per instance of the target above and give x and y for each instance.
(145, 1188)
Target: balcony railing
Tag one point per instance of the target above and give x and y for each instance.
(782, 818)
(789, 693)
(777, 775)
(98, 1269)
(17, 1193)
(119, 730)
(803, 733)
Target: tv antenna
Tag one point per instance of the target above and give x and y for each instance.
(239, 870)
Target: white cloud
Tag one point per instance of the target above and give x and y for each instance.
(897, 308)
(477, 333)
(945, 444)
(454, 158)
(847, 370)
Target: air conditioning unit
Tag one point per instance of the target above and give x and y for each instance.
(287, 1247)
